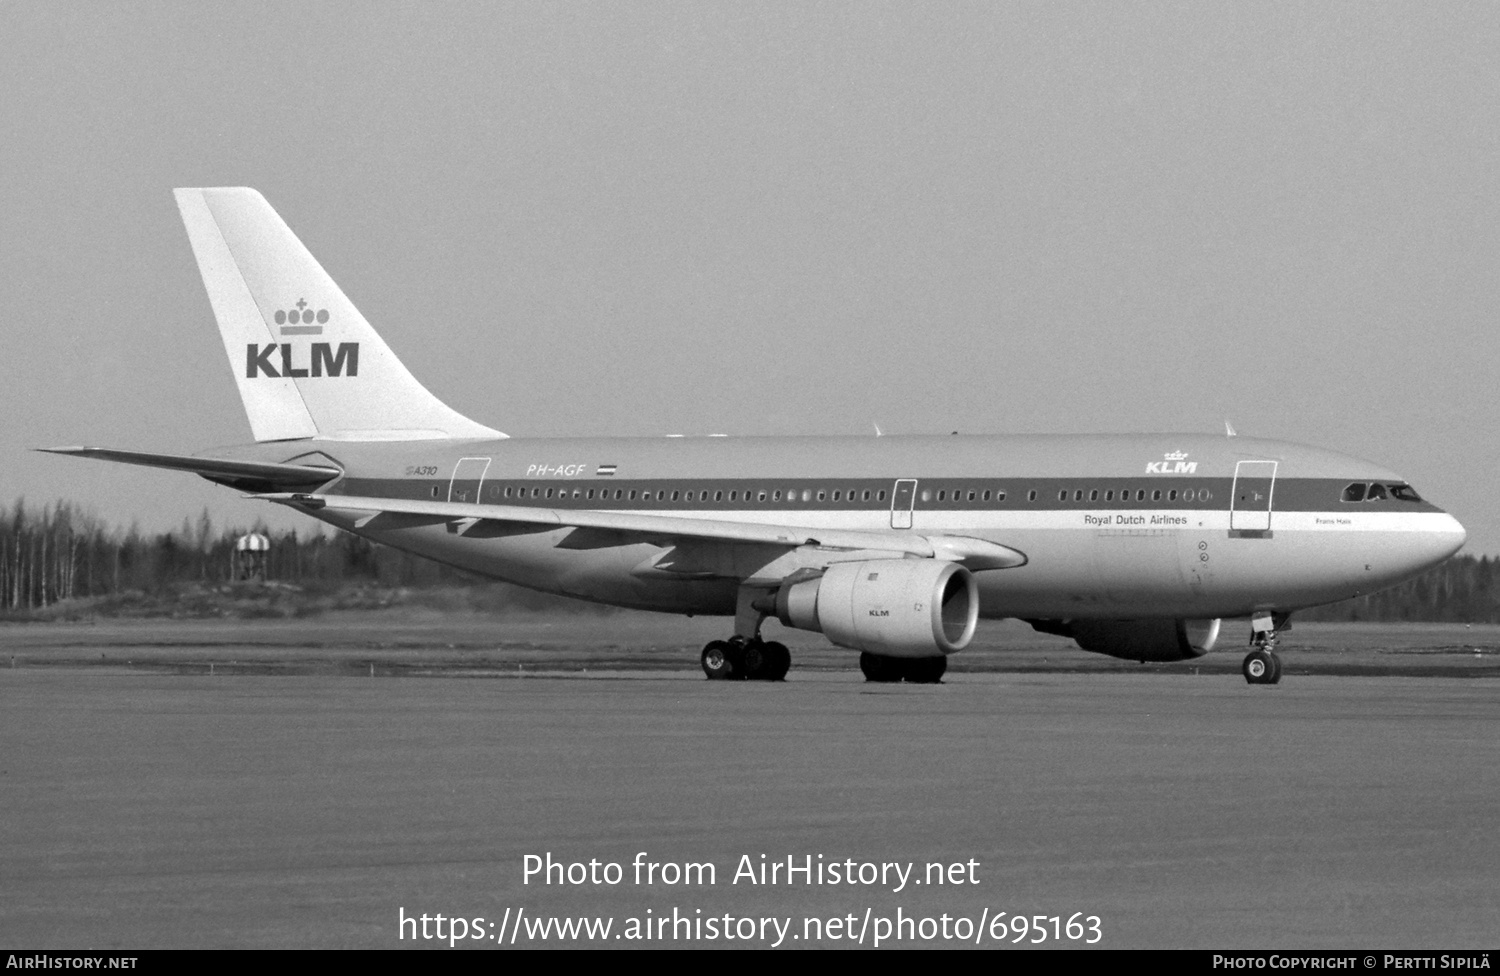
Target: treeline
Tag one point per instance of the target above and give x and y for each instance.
(58, 552)
(1461, 590)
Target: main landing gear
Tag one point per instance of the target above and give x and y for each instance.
(916, 670)
(745, 656)
(1262, 666)
(741, 659)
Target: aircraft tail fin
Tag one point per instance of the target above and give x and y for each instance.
(306, 361)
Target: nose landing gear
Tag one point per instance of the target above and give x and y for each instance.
(1262, 666)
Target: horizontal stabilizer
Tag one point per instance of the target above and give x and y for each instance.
(254, 476)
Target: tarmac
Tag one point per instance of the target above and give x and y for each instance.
(150, 808)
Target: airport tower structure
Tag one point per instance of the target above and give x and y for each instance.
(250, 554)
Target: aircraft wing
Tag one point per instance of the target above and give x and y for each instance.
(975, 554)
(255, 476)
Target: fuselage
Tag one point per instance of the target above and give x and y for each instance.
(1112, 526)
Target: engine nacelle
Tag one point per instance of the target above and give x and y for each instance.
(1138, 640)
(894, 607)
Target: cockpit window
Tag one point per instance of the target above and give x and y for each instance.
(1405, 493)
(1354, 493)
(1377, 493)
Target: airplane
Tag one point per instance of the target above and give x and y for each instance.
(1135, 546)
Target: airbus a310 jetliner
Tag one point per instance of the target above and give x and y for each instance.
(1135, 546)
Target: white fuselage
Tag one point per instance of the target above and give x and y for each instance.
(1122, 526)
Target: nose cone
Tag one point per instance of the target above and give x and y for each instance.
(1426, 539)
(1450, 537)
(1441, 537)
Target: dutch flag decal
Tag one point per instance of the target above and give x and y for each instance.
(605, 470)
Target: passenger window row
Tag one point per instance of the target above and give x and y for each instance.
(874, 496)
(756, 496)
(1080, 495)
(959, 495)
(1141, 494)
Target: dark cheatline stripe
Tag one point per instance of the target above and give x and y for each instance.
(941, 494)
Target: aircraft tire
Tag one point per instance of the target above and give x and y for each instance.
(1259, 667)
(755, 662)
(926, 670)
(879, 668)
(719, 661)
(1275, 668)
(778, 660)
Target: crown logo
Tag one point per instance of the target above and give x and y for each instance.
(301, 313)
(1176, 456)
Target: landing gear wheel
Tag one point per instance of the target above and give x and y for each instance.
(756, 661)
(925, 670)
(778, 660)
(1261, 668)
(718, 661)
(879, 668)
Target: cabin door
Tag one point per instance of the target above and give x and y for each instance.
(468, 479)
(902, 499)
(1250, 501)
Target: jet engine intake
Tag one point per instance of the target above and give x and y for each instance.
(1138, 640)
(894, 607)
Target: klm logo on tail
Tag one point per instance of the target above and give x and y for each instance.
(325, 360)
(288, 319)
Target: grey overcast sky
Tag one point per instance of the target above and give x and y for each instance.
(772, 218)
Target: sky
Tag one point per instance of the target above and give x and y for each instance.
(636, 219)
